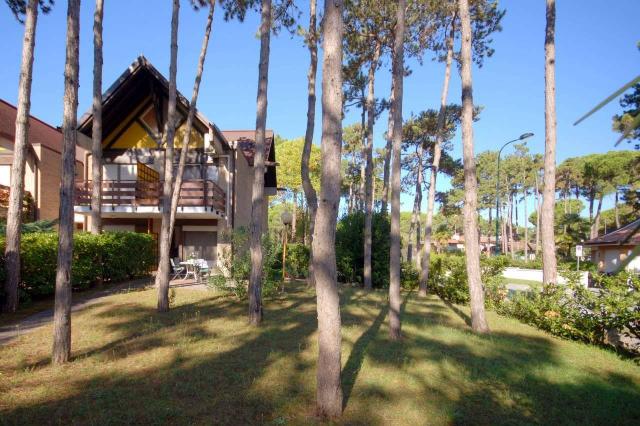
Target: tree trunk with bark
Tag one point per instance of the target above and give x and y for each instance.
(617, 210)
(396, 134)
(368, 170)
(162, 275)
(20, 148)
(309, 191)
(512, 247)
(549, 263)
(596, 221)
(387, 157)
(96, 126)
(425, 258)
(257, 197)
(186, 139)
(538, 212)
(526, 225)
(329, 389)
(472, 249)
(294, 218)
(62, 307)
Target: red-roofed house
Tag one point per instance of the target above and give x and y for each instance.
(42, 174)
(609, 250)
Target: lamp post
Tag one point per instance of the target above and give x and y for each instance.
(522, 137)
(286, 219)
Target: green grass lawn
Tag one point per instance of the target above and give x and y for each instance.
(202, 364)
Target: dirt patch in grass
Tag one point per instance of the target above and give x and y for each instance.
(202, 364)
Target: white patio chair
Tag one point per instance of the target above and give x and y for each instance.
(177, 270)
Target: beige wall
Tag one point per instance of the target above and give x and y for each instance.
(244, 182)
(48, 181)
(608, 259)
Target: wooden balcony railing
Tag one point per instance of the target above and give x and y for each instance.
(194, 193)
(28, 204)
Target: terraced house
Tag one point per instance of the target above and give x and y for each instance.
(42, 169)
(215, 196)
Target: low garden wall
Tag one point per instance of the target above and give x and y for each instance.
(536, 275)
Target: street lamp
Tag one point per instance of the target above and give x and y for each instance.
(286, 219)
(522, 137)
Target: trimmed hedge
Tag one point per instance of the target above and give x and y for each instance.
(108, 257)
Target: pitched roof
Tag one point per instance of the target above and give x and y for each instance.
(117, 92)
(39, 131)
(246, 142)
(627, 235)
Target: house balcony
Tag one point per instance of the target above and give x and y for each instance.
(199, 198)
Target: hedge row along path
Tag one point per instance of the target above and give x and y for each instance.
(9, 332)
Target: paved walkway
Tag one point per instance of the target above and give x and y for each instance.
(31, 323)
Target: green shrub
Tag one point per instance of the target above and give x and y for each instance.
(577, 313)
(571, 311)
(297, 260)
(409, 276)
(236, 266)
(448, 276)
(108, 257)
(350, 249)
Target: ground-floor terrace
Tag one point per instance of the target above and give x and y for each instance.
(136, 205)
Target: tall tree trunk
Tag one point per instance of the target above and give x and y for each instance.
(503, 231)
(186, 139)
(412, 227)
(257, 197)
(329, 389)
(596, 221)
(162, 275)
(387, 157)
(417, 202)
(21, 144)
(425, 258)
(526, 226)
(396, 132)
(363, 149)
(96, 127)
(472, 249)
(294, 219)
(309, 191)
(538, 212)
(62, 308)
(368, 171)
(617, 211)
(549, 268)
(511, 233)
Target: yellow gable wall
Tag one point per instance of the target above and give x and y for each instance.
(138, 110)
(135, 136)
(196, 140)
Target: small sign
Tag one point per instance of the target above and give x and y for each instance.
(578, 251)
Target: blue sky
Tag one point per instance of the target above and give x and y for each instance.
(596, 53)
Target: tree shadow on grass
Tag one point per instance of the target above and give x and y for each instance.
(202, 364)
(459, 312)
(194, 373)
(502, 378)
(356, 356)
